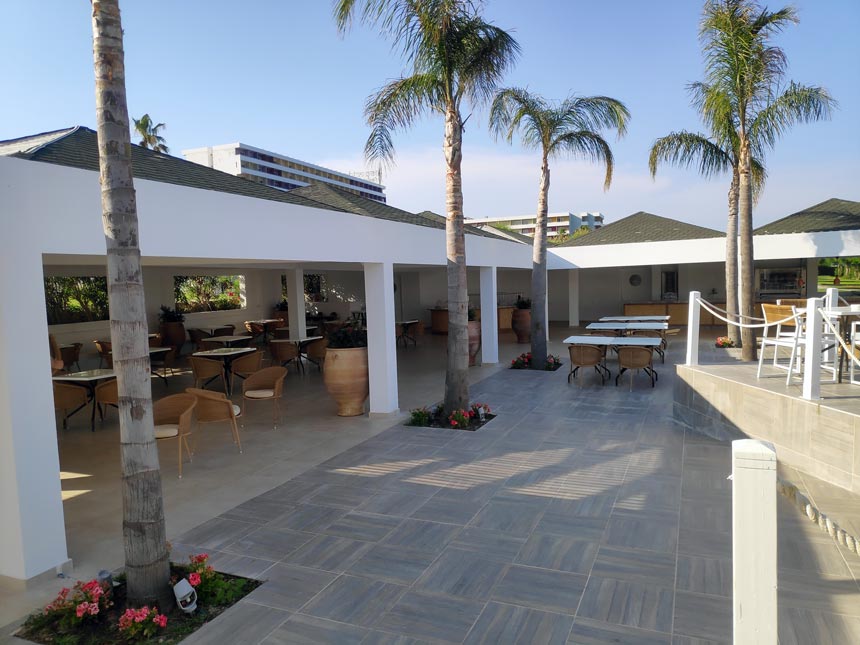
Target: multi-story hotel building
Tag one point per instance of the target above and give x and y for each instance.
(557, 223)
(279, 171)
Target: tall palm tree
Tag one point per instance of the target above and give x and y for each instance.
(149, 134)
(146, 558)
(745, 75)
(568, 128)
(714, 154)
(457, 60)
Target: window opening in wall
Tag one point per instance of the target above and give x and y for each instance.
(195, 293)
(76, 299)
(669, 282)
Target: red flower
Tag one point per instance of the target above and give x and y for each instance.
(194, 579)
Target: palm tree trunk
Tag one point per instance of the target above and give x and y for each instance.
(539, 321)
(734, 333)
(146, 557)
(456, 375)
(747, 261)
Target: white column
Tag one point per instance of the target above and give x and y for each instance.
(656, 282)
(489, 316)
(754, 543)
(693, 328)
(32, 531)
(810, 289)
(573, 298)
(812, 352)
(381, 339)
(296, 298)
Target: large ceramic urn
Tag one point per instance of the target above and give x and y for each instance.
(346, 379)
(521, 322)
(474, 341)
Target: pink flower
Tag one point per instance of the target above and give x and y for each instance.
(94, 609)
(160, 620)
(82, 609)
(194, 579)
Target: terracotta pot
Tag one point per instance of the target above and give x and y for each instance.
(346, 379)
(172, 334)
(521, 322)
(474, 340)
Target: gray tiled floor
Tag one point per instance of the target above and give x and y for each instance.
(579, 515)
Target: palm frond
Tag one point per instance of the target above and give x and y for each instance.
(514, 109)
(588, 145)
(595, 113)
(759, 177)
(797, 104)
(686, 149)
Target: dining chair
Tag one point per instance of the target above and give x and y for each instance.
(205, 370)
(71, 356)
(226, 330)
(315, 352)
(255, 329)
(172, 417)
(782, 331)
(284, 353)
(164, 361)
(266, 385)
(587, 356)
(69, 399)
(246, 365)
(635, 358)
(103, 347)
(156, 340)
(106, 394)
(214, 407)
(649, 333)
(198, 335)
(282, 333)
(206, 344)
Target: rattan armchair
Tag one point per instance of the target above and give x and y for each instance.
(198, 335)
(69, 397)
(214, 407)
(246, 365)
(71, 355)
(284, 352)
(650, 333)
(106, 394)
(172, 417)
(226, 330)
(255, 329)
(164, 361)
(57, 363)
(282, 333)
(104, 347)
(635, 358)
(315, 352)
(206, 370)
(266, 385)
(588, 356)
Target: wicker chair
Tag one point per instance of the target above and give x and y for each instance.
(226, 330)
(634, 357)
(165, 362)
(282, 333)
(71, 356)
(104, 347)
(206, 345)
(57, 364)
(156, 340)
(106, 394)
(246, 365)
(172, 416)
(283, 353)
(205, 370)
(315, 352)
(198, 335)
(266, 385)
(650, 333)
(588, 356)
(214, 407)
(69, 397)
(255, 329)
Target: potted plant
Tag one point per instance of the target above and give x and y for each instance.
(280, 310)
(474, 337)
(521, 320)
(345, 374)
(171, 328)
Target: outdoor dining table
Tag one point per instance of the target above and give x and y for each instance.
(635, 318)
(266, 324)
(302, 344)
(155, 351)
(629, 326)
(406, 332)
(226, 354)
(614, 341)
(89, 379)
(844, 329)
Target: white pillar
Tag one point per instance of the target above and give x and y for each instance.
(693, 328)
(296, 298)
(812, 352)
(32, 531)
(573, 298)
(489, 316)
(381, 339)
(754, 545)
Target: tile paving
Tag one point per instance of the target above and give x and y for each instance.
(579, 515)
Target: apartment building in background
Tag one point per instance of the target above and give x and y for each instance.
(279, 171)
(557, 223)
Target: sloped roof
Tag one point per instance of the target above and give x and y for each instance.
(831, 215)
(505, 233)
(352, 203)
(643, 227)
(78, 148)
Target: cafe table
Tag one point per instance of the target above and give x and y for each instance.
(635, 318)
(407, 333)
(227, 340)
(628, 326)
(266, 324)
(226, 354)
(89, 379)
(301, 343)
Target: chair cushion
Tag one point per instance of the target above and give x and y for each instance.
(260, 394)
(237, 411)
(166, 431)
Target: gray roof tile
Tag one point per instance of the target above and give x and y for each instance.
(643, 227)
(831, 215)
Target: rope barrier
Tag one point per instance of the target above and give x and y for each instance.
(739, 315)
(845, 347)
(708, 307)
(825, 523)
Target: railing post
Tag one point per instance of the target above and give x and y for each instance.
(754, 543)
(693, 328)
(831, 298)
(812, 352)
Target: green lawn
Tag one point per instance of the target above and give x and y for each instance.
(825, 281)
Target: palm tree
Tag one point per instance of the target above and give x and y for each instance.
(568, 128)
(744, 74)
(149, 134)
(146, 559)
(457, 59)
(713, 155)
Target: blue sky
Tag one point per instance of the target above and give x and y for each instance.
(275, 74)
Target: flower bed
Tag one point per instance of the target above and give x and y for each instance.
(476, 416)
(524, 362)
(94, 613)
(724, 341)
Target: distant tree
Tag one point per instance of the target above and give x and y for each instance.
(582, 230)
(569, 128)
(149, 134)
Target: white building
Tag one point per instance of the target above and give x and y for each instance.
(557, 223)
(279, 171)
